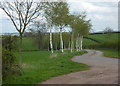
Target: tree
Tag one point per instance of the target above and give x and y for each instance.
(71, 24)
(108, 31)
(83, 27)
(21, 13)
(39, 30)
(49, 15)
(79, 27)
(60, 17)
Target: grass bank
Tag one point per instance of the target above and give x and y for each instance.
(110, 53)
(39, 66)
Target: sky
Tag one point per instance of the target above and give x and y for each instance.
(103, 13)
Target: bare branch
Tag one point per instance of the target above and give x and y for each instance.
(21, 13)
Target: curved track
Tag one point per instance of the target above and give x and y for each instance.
(103, 70)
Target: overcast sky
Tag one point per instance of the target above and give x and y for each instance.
(103, 13)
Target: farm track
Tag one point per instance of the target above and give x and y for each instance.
(103, 70)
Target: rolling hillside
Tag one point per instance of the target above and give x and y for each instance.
(93, 41)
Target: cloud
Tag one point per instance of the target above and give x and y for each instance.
(94, 0)
(101, 14)
(105, 17)
(90, 7)
(93, 8)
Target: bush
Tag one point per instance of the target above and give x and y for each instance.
(8, 64)
(9, 42)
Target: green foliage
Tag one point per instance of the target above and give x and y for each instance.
(9, 42)
(57, 13)
(40, 66)
(8, 64)
(79, 25)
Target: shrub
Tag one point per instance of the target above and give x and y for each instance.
(9, 42)
(8, 64)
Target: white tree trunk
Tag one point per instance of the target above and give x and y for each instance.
(51, 45)
(81, 43)
(76, 44)
(61, 40)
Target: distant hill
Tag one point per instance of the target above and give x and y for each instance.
(12, 34)
(100, 32)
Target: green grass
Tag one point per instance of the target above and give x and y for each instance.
(38, 66)
(28, 44)
(104, 37)
(108, 43)
(89, 43)
(110, 53)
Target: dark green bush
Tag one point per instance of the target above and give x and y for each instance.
(8, 64)
(9, 42)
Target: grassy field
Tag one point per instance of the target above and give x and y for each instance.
(108, 43)
(39, 66)
(110, 53)
(28, 44)
(89, 43)
(104, 37)
(105, 41)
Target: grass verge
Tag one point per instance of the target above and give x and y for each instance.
(38, 66)
(110, 53)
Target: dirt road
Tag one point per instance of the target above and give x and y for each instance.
(103, 70)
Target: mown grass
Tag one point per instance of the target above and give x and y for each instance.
(110, 53)
(38, 66)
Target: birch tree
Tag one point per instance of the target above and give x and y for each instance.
(21, 13)
(72, 23)
(59, 12)
(82, 28)
(49, 15)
